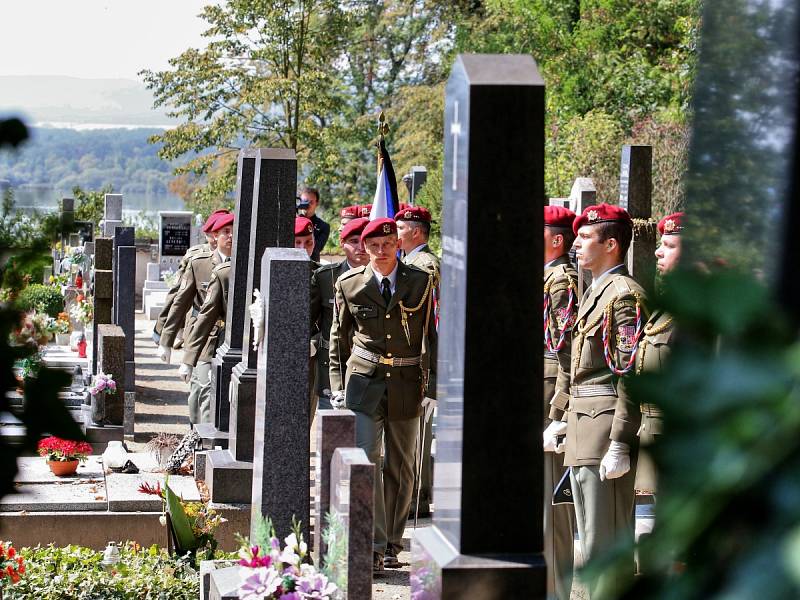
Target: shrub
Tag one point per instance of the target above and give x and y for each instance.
(41, 298)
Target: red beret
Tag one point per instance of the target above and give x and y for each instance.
(558, 216)
(671, 224)
(303, 226)
(350, 212)
(222, 220)
(413, 213)
(364, 210)
(601, 213)
(379, 227)
(212, 219)
(354, 227)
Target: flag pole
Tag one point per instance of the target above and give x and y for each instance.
(383, 129)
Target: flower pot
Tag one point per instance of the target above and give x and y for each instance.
(63, 467)
(62, 339)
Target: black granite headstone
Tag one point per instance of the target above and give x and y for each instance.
(489, 462)
(636, 196)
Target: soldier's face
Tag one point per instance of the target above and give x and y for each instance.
(211, 240)
(345, 221)
(668, 253)
(354, 251)
(382, 252)
(304, 242)
(405, 236)
(589, 250)
(225, 240)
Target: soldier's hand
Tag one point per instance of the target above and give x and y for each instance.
(257, 317)
(337, 399)
(185, 371)
(429, 404)
(616, 462)
(550, 435)
(313, 349)
(164, 353)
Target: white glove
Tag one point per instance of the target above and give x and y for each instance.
(429, 404)
(164, 353)
(185, 371)
(337, 399)
(616, 462)
(257, 317)
(313, 349)
(550, 437)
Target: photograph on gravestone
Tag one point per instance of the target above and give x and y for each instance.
(481, 509)
(85, 230)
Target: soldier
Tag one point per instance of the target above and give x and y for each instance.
(347, 214)
(601, 422)
(560, 310)
(322, 299)
(210, 244)
(304, 235)
(382, 366)
(190, 297)
(413, 229)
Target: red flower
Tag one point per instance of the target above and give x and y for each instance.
(55, 447)
(12, 552)
(146, 488)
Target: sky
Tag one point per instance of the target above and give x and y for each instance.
(96, 39)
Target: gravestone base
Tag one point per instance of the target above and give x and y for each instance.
(224, 584)
(129, 417)
(222, 366)
(437, 567)
(243, 412)
(229, 481)
(211, 437)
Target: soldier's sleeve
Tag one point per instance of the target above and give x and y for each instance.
(340, 339)
(559, 298)
(181, 305)
(433, 345)
(316, 302)
(170, 297)
(208, 316)
(627, 416)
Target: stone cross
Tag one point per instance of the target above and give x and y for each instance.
(480, 512)
(635, 196)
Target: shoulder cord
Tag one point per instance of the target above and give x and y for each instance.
(607, 322)
(548, 337)
(648, 331)
(404, 311)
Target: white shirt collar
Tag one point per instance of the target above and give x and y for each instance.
(596, 282)
(417, 249)
(391, 276)
(222, 258)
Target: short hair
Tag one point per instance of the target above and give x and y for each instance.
(566, 233)
(424, 225)
(619, 230)
(310, 190)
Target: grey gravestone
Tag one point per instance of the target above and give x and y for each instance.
(419, 175)
(174, 237)
(335, 429)
(353, 507)
(124, 296)
(582, 195)
(494, 147)
(635, 196)
(103, 288)
(153, 272)
(111, 361)
(281, 463)
(112, 207)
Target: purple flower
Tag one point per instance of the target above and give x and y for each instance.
(259, 584)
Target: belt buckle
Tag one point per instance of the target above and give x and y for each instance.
(386, 361)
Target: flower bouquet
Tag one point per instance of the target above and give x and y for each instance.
(11, 566)
(102, 384)
(62, 328)
(34, 330)
(83, 310)
(63, 456)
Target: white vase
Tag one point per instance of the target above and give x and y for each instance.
(115, 455)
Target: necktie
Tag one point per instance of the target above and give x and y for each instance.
(386, 290)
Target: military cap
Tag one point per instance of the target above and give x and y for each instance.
(303, 226)
(601, 213)
(350, 212)
(222, 220)
(379, 227)
(364, 210)
(354, 227)
(413, 213)
(671, 224)
(558, 216)
(213, 218)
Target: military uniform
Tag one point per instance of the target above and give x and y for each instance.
(383, 355)
(190, 299)
(561, 302)
(599, 411)
(162, 316)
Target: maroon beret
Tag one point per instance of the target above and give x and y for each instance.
(303, 226)
(354, 227)
(558, 216)
(379, 227)
(364, 210)
(671, 224)
(350, 212)
(212, 219)
(413, 213)
(601, 213)
(222, 220)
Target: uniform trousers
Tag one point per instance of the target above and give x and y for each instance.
(200, 394)
(393, 483)
(559, 532)
(604, 515)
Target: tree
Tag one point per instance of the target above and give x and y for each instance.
(90, 204)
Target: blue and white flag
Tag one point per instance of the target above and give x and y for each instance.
(385, 204)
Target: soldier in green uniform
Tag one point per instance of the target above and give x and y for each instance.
(191, 297)
(601, 421)
(210, 244)
(560, 311)
(413, 229)
(322, 299)
(382, 366)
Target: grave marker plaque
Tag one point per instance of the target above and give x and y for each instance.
(174, 237)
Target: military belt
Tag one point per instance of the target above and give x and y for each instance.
(373, 357)
(550, 355)
(650, 410)
(587, 391)
(324, 343)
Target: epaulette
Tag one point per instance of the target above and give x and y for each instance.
(622, 285)
(201, 254)
(220, 267)
(351, 273)
(327, 267)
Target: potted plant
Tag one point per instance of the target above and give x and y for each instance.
(63, 329)
(11, 566)
(63, 456)
(162, 446)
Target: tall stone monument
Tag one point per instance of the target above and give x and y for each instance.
(103, 289)
(124, 266)
(487, 530)
(636, 196)
(112, 214)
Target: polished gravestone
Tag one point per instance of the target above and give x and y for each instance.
(124, 267)
(636, 196)
(582, 195)
(103, 292)
(487, 532)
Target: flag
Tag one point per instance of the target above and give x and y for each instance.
(385, 203)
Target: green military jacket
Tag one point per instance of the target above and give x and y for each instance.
(560, 277)
(208, 329)
(425, 259)
(598, 409)
(162, 316)
(322, 302)
(361, 315)
(191, 294)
